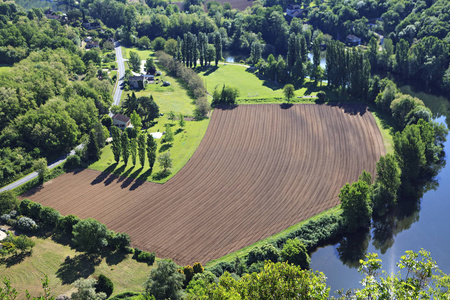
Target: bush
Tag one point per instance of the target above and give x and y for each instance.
(321, 96)
(121, 241)
(12, 222)
(26, 224)
(65, 224)
(90, 235)
(50, 216)
(8, 202)
(24, 207)
(127, 295)
(105, 285)
(294, 251)
(13, 213)
(222, 267)
(72, 162)
(5, 217)
(198, 268)
(35, 210)
(256, 267)
(147, 257)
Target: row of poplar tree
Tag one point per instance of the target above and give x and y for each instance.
(194, 48)
(124, 146)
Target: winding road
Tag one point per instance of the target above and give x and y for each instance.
(62, 159)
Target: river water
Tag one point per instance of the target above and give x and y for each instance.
(425, 224)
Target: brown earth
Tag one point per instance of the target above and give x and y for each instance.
(258, 170)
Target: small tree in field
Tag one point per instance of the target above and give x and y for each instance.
(172, 116)
(182, 121)
(168, 136)
(165, 161)
(289, 92)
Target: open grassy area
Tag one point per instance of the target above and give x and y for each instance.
(244, 251)
(183, 147)
(251, 87)
(174, 98)
(387, 128)
(5, 68)
(48, 257)
(143, 54)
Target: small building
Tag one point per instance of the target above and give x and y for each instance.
(121, 121)
(90, 26)
(294, 11)
(137, 82)
(149, 77)
(352, 40)
(92, 44)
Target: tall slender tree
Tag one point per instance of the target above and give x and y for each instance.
(133, 150)
(151, 150)
(116, 143)
(218, 47)
(125, 147)
(141, 148)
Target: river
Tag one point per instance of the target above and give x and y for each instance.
(424, 225)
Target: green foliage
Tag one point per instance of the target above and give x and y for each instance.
(289, 92)
(66, 224)
(294, 251)
(26, 224)
(356, 205)
(387, 184)
(227, 95)
(135, 61)
(165, 281)
(136, 121)
(116, 143)
(151, 150)
(72, 162)
(120, 241)
(182, 122)
(40, 166)
(402, 106)
(141, 148)
(90, 235)
(198, 268)
(50, 216)
(86, 290)
(165, 161)
(168, 135)
(125, 147)
(107, 121)
(93, 149)
(133, 150)
(188, 272)
(104, 285)
(8, 202)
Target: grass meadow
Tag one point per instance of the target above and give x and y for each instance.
(182, 148)
(48, 257)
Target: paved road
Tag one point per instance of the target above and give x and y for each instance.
(120, 74)
(117, 95)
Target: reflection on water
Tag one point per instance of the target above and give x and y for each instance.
(416, 223)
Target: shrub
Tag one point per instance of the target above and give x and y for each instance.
(72, 162)
(8, 201)
(50, 216)
(120, 241)
(65, 224)
(105, 285)
(147, 257)
(294, 251)
(256, 267)
(24, 207)
(321, 95)
(222, 267)
(13, 213)
(198, 268)
(255, 255)
(35, 210)
(270, 253)
(26, 224)
(90, 235)
(137, 251)
(12, 222)
(5, 217)
(188, 272)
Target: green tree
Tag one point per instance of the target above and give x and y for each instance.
(165, 161)
(40, 166)
(387, 183)
(289, 92)
(171, 47)
(86, 290)
(104, 285)
(141, 148)
(8, 202)
(218, 47)
(182, 122)
(133, 150)
(135, 62)
(116, 143)
(144, 42)
(93, 150)
(356, 205)
(50, 216)
(90, 235)
(150, 67)
(136, 121)
(294, 251)
(125, 147)
(23, 243)
(168, 136)
(165, 281)
(107, 121)
(172, 116)
(151, 150)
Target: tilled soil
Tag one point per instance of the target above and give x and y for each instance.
(258, 170)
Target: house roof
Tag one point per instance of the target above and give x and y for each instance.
(121, 117)
(353, 38)
(136, 78)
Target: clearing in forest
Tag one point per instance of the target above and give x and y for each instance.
(259, 170)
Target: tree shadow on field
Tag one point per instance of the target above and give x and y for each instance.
(103, 175)
(80, 266)
(286, 105)
(165, 147)
(141, 179)
(226, 107)
(125, 174)
(14, 259)
(350, 108)
(131, 178)
(114, 258)
(32, 191)
(110, 179)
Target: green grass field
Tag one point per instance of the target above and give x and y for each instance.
(5, 68)
(143, 54)
(174, 98)
(48, 257)
(252, 88)
(183, 147)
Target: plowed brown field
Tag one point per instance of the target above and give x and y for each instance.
(258, 170)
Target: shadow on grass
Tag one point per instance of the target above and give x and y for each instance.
(114, 258)
(103, 175)
(165, 147)
(161, 175)
(179, 130)
(80, 266)
(209, 69)
(14, 259)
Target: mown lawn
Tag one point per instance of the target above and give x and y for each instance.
(250, 86)
(183, 147)
(174, 98)
(48, 257)
(143, 54)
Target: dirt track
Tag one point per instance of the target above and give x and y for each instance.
(258, 170)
